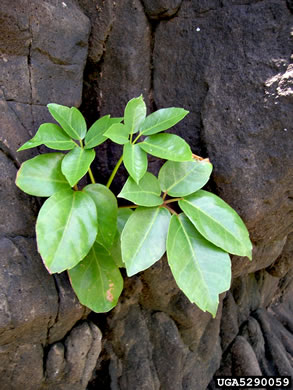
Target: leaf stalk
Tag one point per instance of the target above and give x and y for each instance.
(119, 162)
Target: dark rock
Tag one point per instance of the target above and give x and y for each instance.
(123, 72)
(243, 358)
(20, 219)
(283, 263)
(42, 60)
(280, 359)
(229, 64)
(70, 365)
(161, 9)
(229, 322)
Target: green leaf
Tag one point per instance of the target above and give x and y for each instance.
(41, 175)
(52, 136)
(135, 161)
(201, 270)
(115, 250)
(70, 119)
(76, 164)
(78, 122)
(217, 222)
(95, 135)
(118, 133)
(184, 178)
(167, 146)
(134, 114)
(66, 229)
(146, 193)
(143, 240)
(107, 207)
(96, 280)
(122, 218)
(162, 120)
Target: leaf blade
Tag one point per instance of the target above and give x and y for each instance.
(96, 280)
(162, 119)
(135, 161)
(184, 178)
(217, 222)
(134, 114)
(201, 270)
(167, 146)
(63, 115)
(117, 133)
(52, 136)
(95, 135)
(66, 229)
(42, 175)
(107, 209)
(115, 250)
(146, 193)
(76, 164)
(143, 239)
(78, 122)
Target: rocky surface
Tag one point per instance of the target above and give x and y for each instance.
(229, 63)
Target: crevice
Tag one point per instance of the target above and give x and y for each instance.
(91, 94)
(5, 150)
(12, 237)
(53, 321)
(29, 64)
(153, 26)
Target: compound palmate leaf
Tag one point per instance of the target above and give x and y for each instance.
(66, 229)
(107, 207)
(146, 193)
(217, 222)
(76, 164)
(200, 269)
(96, 280)
(167, 146)
(41, 175)
(184, 178)
(52, 136)
(143, 239)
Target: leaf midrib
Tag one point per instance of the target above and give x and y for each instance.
(142, 192)
(160, 123)
(176, 183)
(67, 123)
(146, 233)
(195, 258)
(65, 228)
(214, 221)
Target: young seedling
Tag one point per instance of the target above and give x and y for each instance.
(84, 231)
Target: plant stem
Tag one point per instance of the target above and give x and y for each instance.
(119, 162)
(137, 138)
(91, 175)
(132, 206)
(164, 196)
(75, 187)
(81, 143)
(171, 210)
(171, 200)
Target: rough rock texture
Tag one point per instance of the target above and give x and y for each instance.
(43, 55)
(229, 63)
